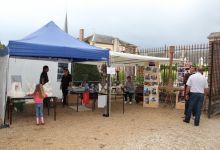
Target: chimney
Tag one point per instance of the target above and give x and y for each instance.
(116, 44)
(81, 34)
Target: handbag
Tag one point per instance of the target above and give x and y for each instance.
(85, 97)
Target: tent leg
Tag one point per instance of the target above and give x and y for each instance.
(4, 125)
(107, 114)
(108, 99)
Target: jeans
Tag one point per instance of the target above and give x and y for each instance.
(195, 102)
(187, 106)
(130, 95)
(39, 110)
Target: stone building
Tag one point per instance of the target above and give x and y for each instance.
(113, 44)
(109, 42)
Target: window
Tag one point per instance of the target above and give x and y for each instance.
(61, 66)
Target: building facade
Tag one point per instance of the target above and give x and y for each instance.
(109, 42)
(113, 44)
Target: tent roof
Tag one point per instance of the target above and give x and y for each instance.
(52, 42)
(118, 58)
(121, 59)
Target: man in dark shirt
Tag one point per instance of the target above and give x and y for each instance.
(192, 70)
(65, 82)
(43, 80)
(43, 77)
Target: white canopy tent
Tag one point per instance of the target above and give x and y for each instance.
(118, 59)
(127, 59)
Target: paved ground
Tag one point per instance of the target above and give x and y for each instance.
(138, 129)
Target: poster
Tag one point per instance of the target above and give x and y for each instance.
(151, 82)
(111, 70)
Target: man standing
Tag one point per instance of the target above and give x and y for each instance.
(192, 70)
(43, 77)
(65, 83)
(197, 85)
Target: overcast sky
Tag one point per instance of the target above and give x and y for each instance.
(145, 23)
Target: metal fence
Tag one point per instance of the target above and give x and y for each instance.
(195, 53)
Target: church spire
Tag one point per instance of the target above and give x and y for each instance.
(66, 24)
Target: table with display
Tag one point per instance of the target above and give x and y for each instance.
(94, 96)
(26, 99)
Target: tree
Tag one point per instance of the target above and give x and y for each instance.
(82, 72)
(2, 46)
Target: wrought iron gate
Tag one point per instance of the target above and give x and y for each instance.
(214, 78)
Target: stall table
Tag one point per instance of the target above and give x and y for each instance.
(94, 95)
(11, 101)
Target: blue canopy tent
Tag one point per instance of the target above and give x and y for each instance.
(52, 43)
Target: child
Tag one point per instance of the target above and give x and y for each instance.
(39, 95)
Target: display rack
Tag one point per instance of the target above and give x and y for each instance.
(182, 70)
(151, 82)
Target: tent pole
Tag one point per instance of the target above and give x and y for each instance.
(108, 91)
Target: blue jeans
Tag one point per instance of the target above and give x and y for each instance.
(128, 94)
(195, 102)
(39, 110)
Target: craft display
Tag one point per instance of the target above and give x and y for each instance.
(182, 70)
(151, 82)
(16, 90)
(30, 88)
(48, 89)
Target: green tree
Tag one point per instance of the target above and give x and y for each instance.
(82, 72)
(139, 79)
(2, 46)
(121, 76)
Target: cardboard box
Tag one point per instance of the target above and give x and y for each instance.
(72, 99)
(180, 103)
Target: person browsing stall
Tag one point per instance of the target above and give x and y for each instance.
(192, 70)
(197, 86)
(65, 83)
(129, 90)
(39, 95)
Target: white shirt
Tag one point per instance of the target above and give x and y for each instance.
(197, 83)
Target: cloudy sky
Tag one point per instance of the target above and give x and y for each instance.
(145, 23)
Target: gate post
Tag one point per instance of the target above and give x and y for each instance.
(213, 69)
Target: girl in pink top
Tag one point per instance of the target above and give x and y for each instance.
(39, 95)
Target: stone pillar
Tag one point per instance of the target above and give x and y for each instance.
(213, 73)
(215, 36)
